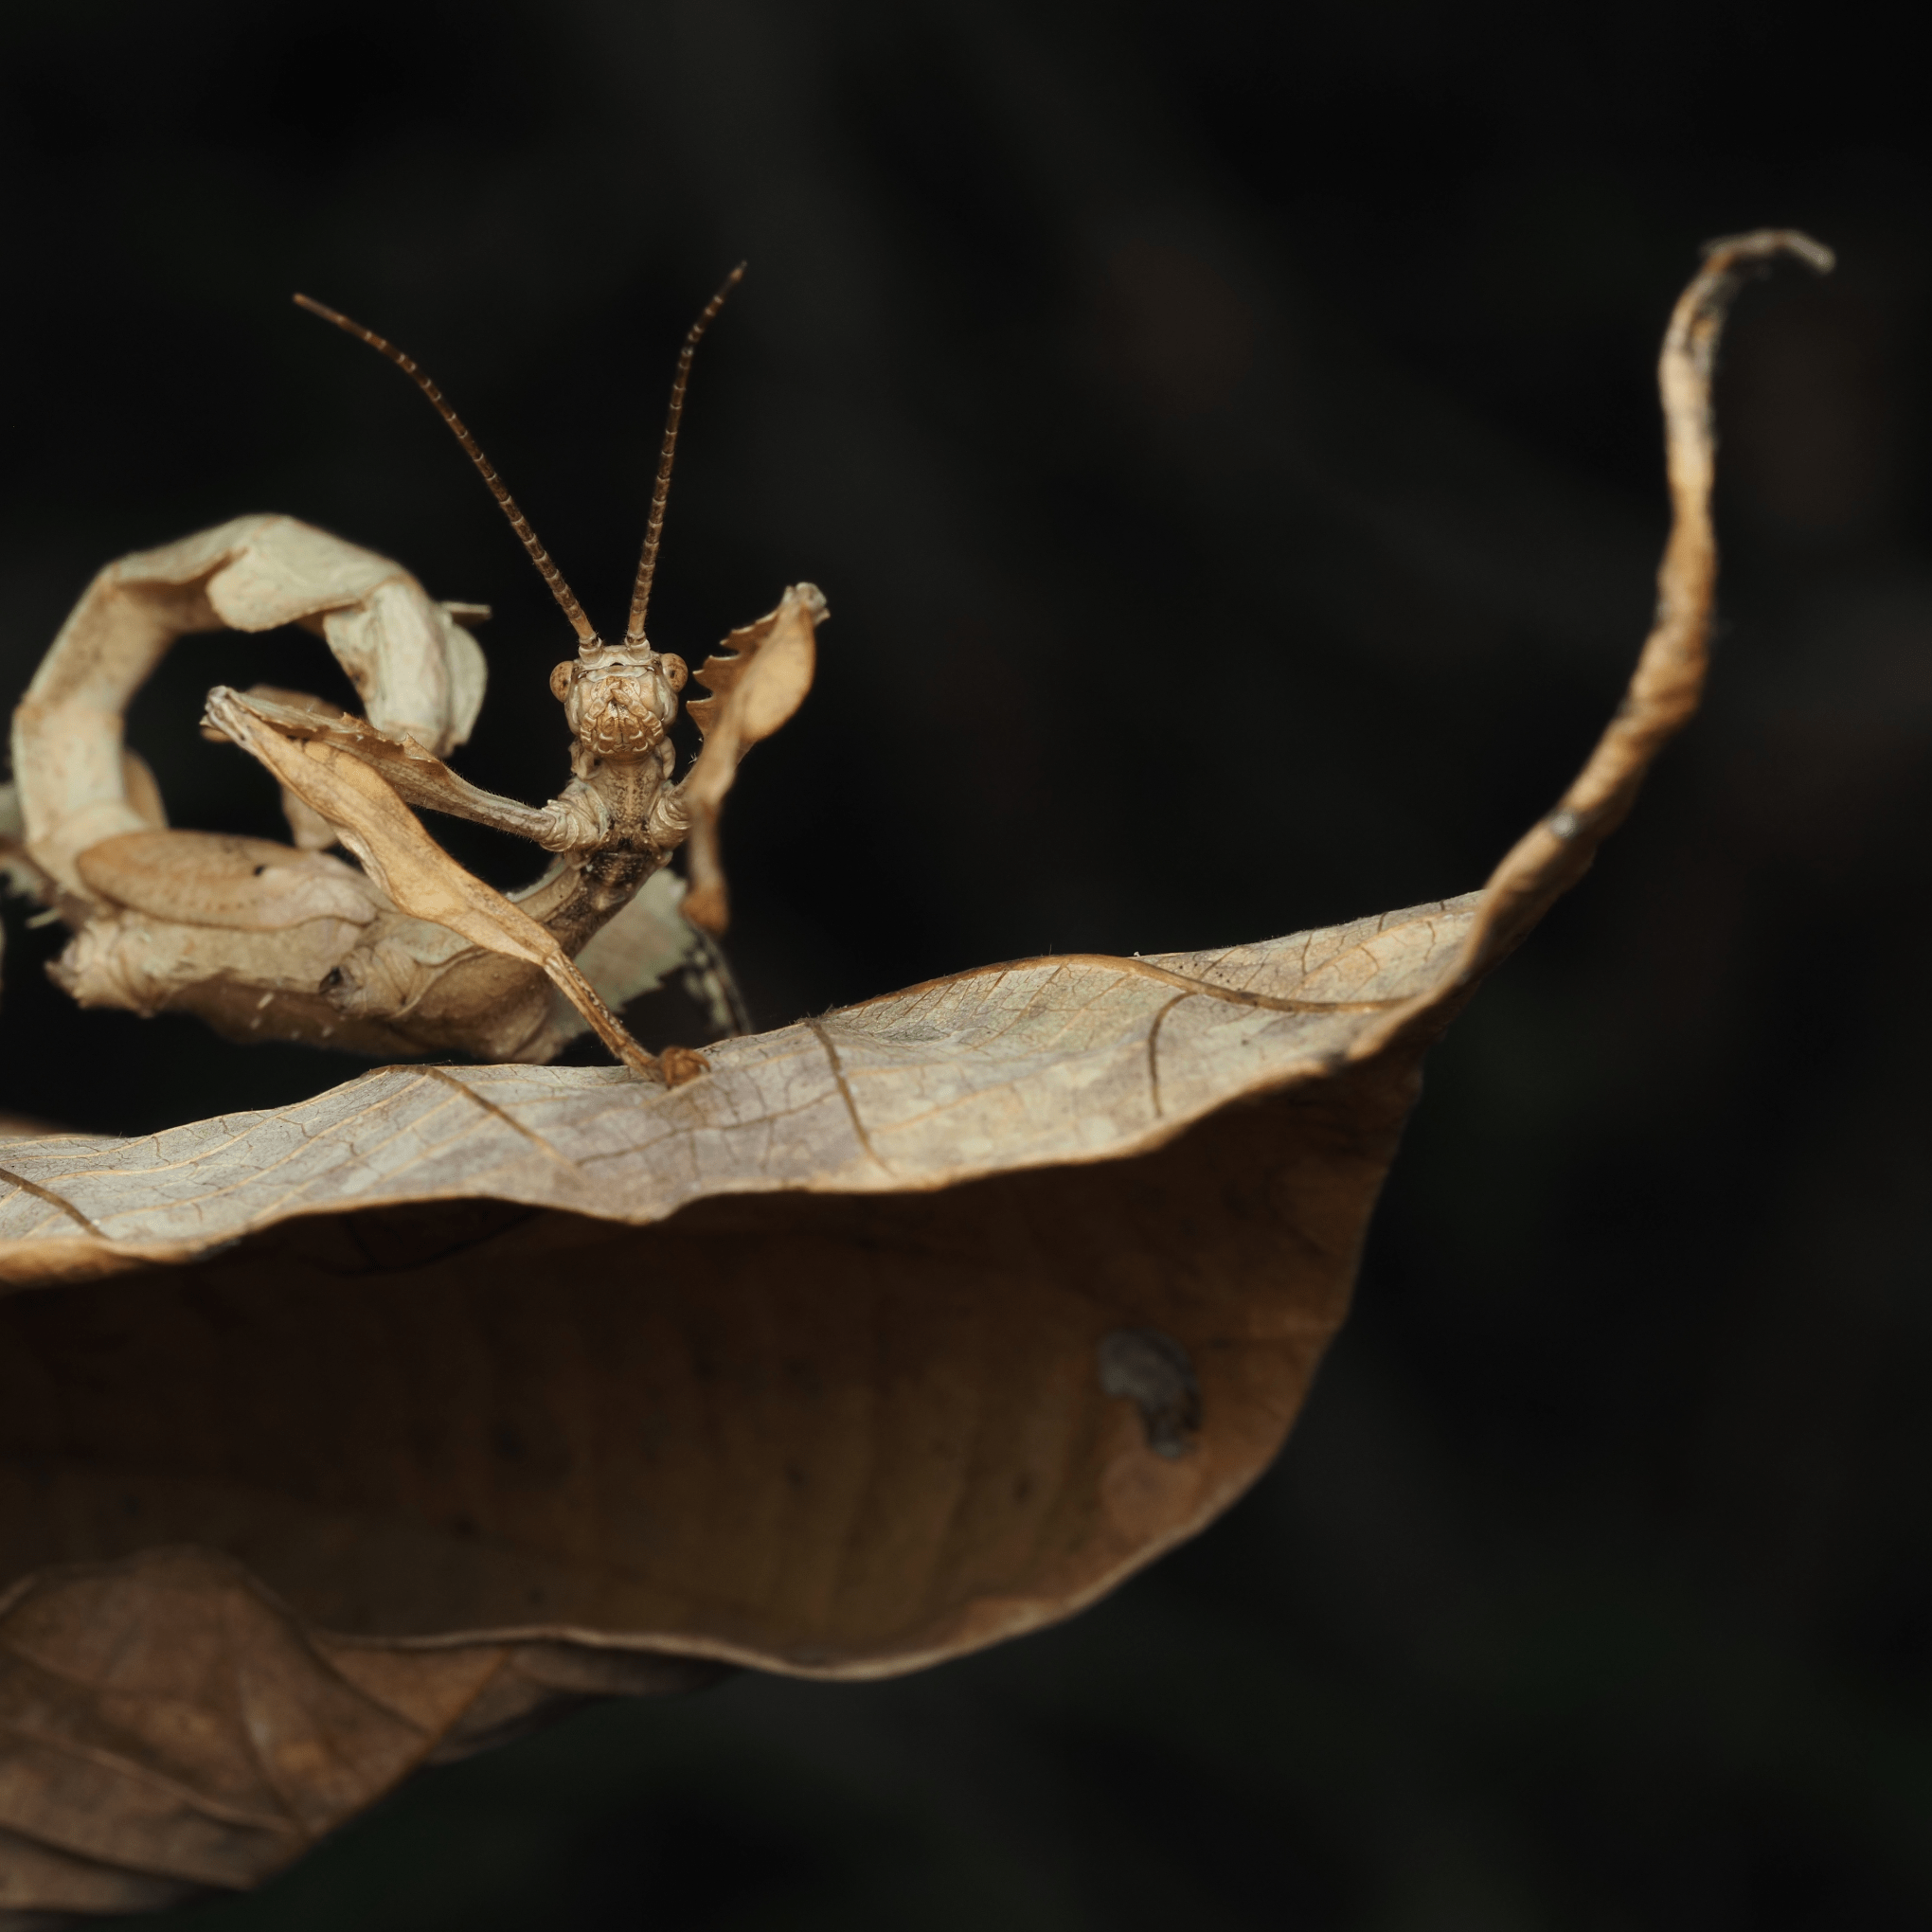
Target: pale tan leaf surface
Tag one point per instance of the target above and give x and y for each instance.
(1031, 1064)
(901, 1329)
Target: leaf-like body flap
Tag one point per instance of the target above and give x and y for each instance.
(417, 874)
(754, 691)
(418, 670)
(206, 878)
(763, 679)
(419, 778)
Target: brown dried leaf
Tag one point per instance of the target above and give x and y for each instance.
(907, 1329)
(173, 1727)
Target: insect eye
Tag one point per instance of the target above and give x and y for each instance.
(560, 680)
(673, 670)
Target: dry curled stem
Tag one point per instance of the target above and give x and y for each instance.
(1668, 683)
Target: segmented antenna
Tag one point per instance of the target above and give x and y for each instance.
(647, 563)
(586, 636)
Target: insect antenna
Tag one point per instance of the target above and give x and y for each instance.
(586, 635)
(647, 563)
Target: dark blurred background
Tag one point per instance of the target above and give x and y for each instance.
(1226, 434)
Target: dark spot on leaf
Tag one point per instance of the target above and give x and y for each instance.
(1152, 1370)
